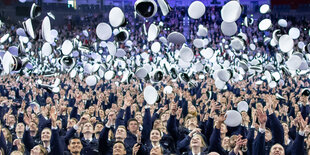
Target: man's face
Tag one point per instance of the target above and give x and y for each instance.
(11, 119)
(192, 122)
(121, 133)
(158, 124)
(33, 128)
(119, 149)
(88, 128)
(268, 135)
(75, 146)
(46, 135)
(71, 123)
(91, 109)
(277, 149)
(98, 127)
(133, 126)
(20, 127)
(139, 118)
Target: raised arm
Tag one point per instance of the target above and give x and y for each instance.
(259, 142)
(171, 124)
(277, 128)
(57, 148)
(147, 125)
(215, 140)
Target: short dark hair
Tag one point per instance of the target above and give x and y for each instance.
(131, 120)
(72, 138)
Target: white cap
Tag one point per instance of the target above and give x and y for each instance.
(46, 30)
(294, 33)
(73, 73)
(243, 106)
(168, 90)
(259, 82)
(91, 80)
(66, 47)
(141, 73)
(265, 24)
(198, 43)
(186, 54)
(282, 22)
(231, 11)
(103, 31)
(155, 47)
(116, 17)
(122, 36)
(7, 62)
(233, 118)
(196, 10)
(207, 53)
(150, 94)
(229, 28)
(164, 7)
(264, 9)
(21, 32)
(35, 11)
(286, 43)
(219, 84)
(272, 84)
(152, 32)
(293, 62)
(13, 50)
(224, 75)
(120, 53)
(109, 75)
(176, 38)
(157, 75)
(111, 48)
(202, 31)
(46, 49)
(146, 8)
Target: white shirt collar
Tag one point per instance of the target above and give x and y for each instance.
(196, 153)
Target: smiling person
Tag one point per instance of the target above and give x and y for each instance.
(119, 148)
(75, 147)
(49, 137)
(38, 150)
(154, 142)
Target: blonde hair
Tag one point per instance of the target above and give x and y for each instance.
(203, 143)
(8, 135)
(16, 153)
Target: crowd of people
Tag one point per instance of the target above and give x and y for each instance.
(114, 118)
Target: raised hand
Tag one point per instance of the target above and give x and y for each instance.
(83, 120)
(135, 149)
(173, 108)
(262, 118)
(53, 116)
(27, 120)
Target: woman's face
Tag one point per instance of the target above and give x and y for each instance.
(285, 127)
(36, 151)
(4, 133)
(196, 141)
(155, 136)
(225, 141)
